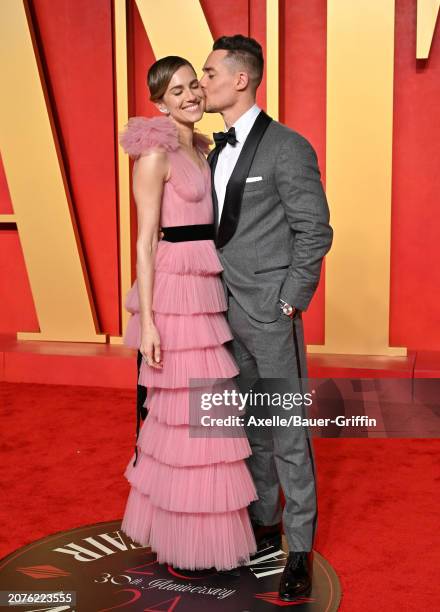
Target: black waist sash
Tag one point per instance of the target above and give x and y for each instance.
(183, 233)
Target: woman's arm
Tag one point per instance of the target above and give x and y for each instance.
(150, 171)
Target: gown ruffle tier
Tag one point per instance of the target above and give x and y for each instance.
(188, 497)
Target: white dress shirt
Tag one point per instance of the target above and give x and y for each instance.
(229, 154)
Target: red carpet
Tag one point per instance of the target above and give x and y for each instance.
(64, 450)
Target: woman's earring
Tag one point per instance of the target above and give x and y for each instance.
(164, 110)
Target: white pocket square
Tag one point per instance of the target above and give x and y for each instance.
(253, 179)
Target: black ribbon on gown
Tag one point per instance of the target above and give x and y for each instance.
(141, 411)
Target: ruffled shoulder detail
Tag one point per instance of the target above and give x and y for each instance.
(143, 133)
(202, 142)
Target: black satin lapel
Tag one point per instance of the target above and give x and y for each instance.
(212, 160)
(237, 182)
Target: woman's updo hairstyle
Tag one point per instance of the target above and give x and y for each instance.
(161, 72)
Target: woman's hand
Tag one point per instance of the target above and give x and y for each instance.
(150, 346)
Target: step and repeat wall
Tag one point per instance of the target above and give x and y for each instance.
(360, 80)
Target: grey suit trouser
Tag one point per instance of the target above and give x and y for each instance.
(283, 455)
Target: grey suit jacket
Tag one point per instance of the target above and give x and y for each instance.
(273, 233)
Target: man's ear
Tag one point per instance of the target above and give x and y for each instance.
(242, 81)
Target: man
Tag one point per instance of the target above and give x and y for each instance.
(272, 232)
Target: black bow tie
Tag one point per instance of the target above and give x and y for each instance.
(221, 138)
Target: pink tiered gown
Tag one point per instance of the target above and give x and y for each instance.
(189, 495)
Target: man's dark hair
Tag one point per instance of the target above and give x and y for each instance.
(245, 51)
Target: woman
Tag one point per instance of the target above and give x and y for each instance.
(189, 495)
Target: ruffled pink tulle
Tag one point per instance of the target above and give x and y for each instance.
(182, 366)
(173, 444)
(201, 488)
(220, 540)
(198, 257)
(172, 406)
(142, 133)
(179, 332)
(178, 294)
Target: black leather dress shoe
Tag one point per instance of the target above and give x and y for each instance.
(296, 579)
(267, 535)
